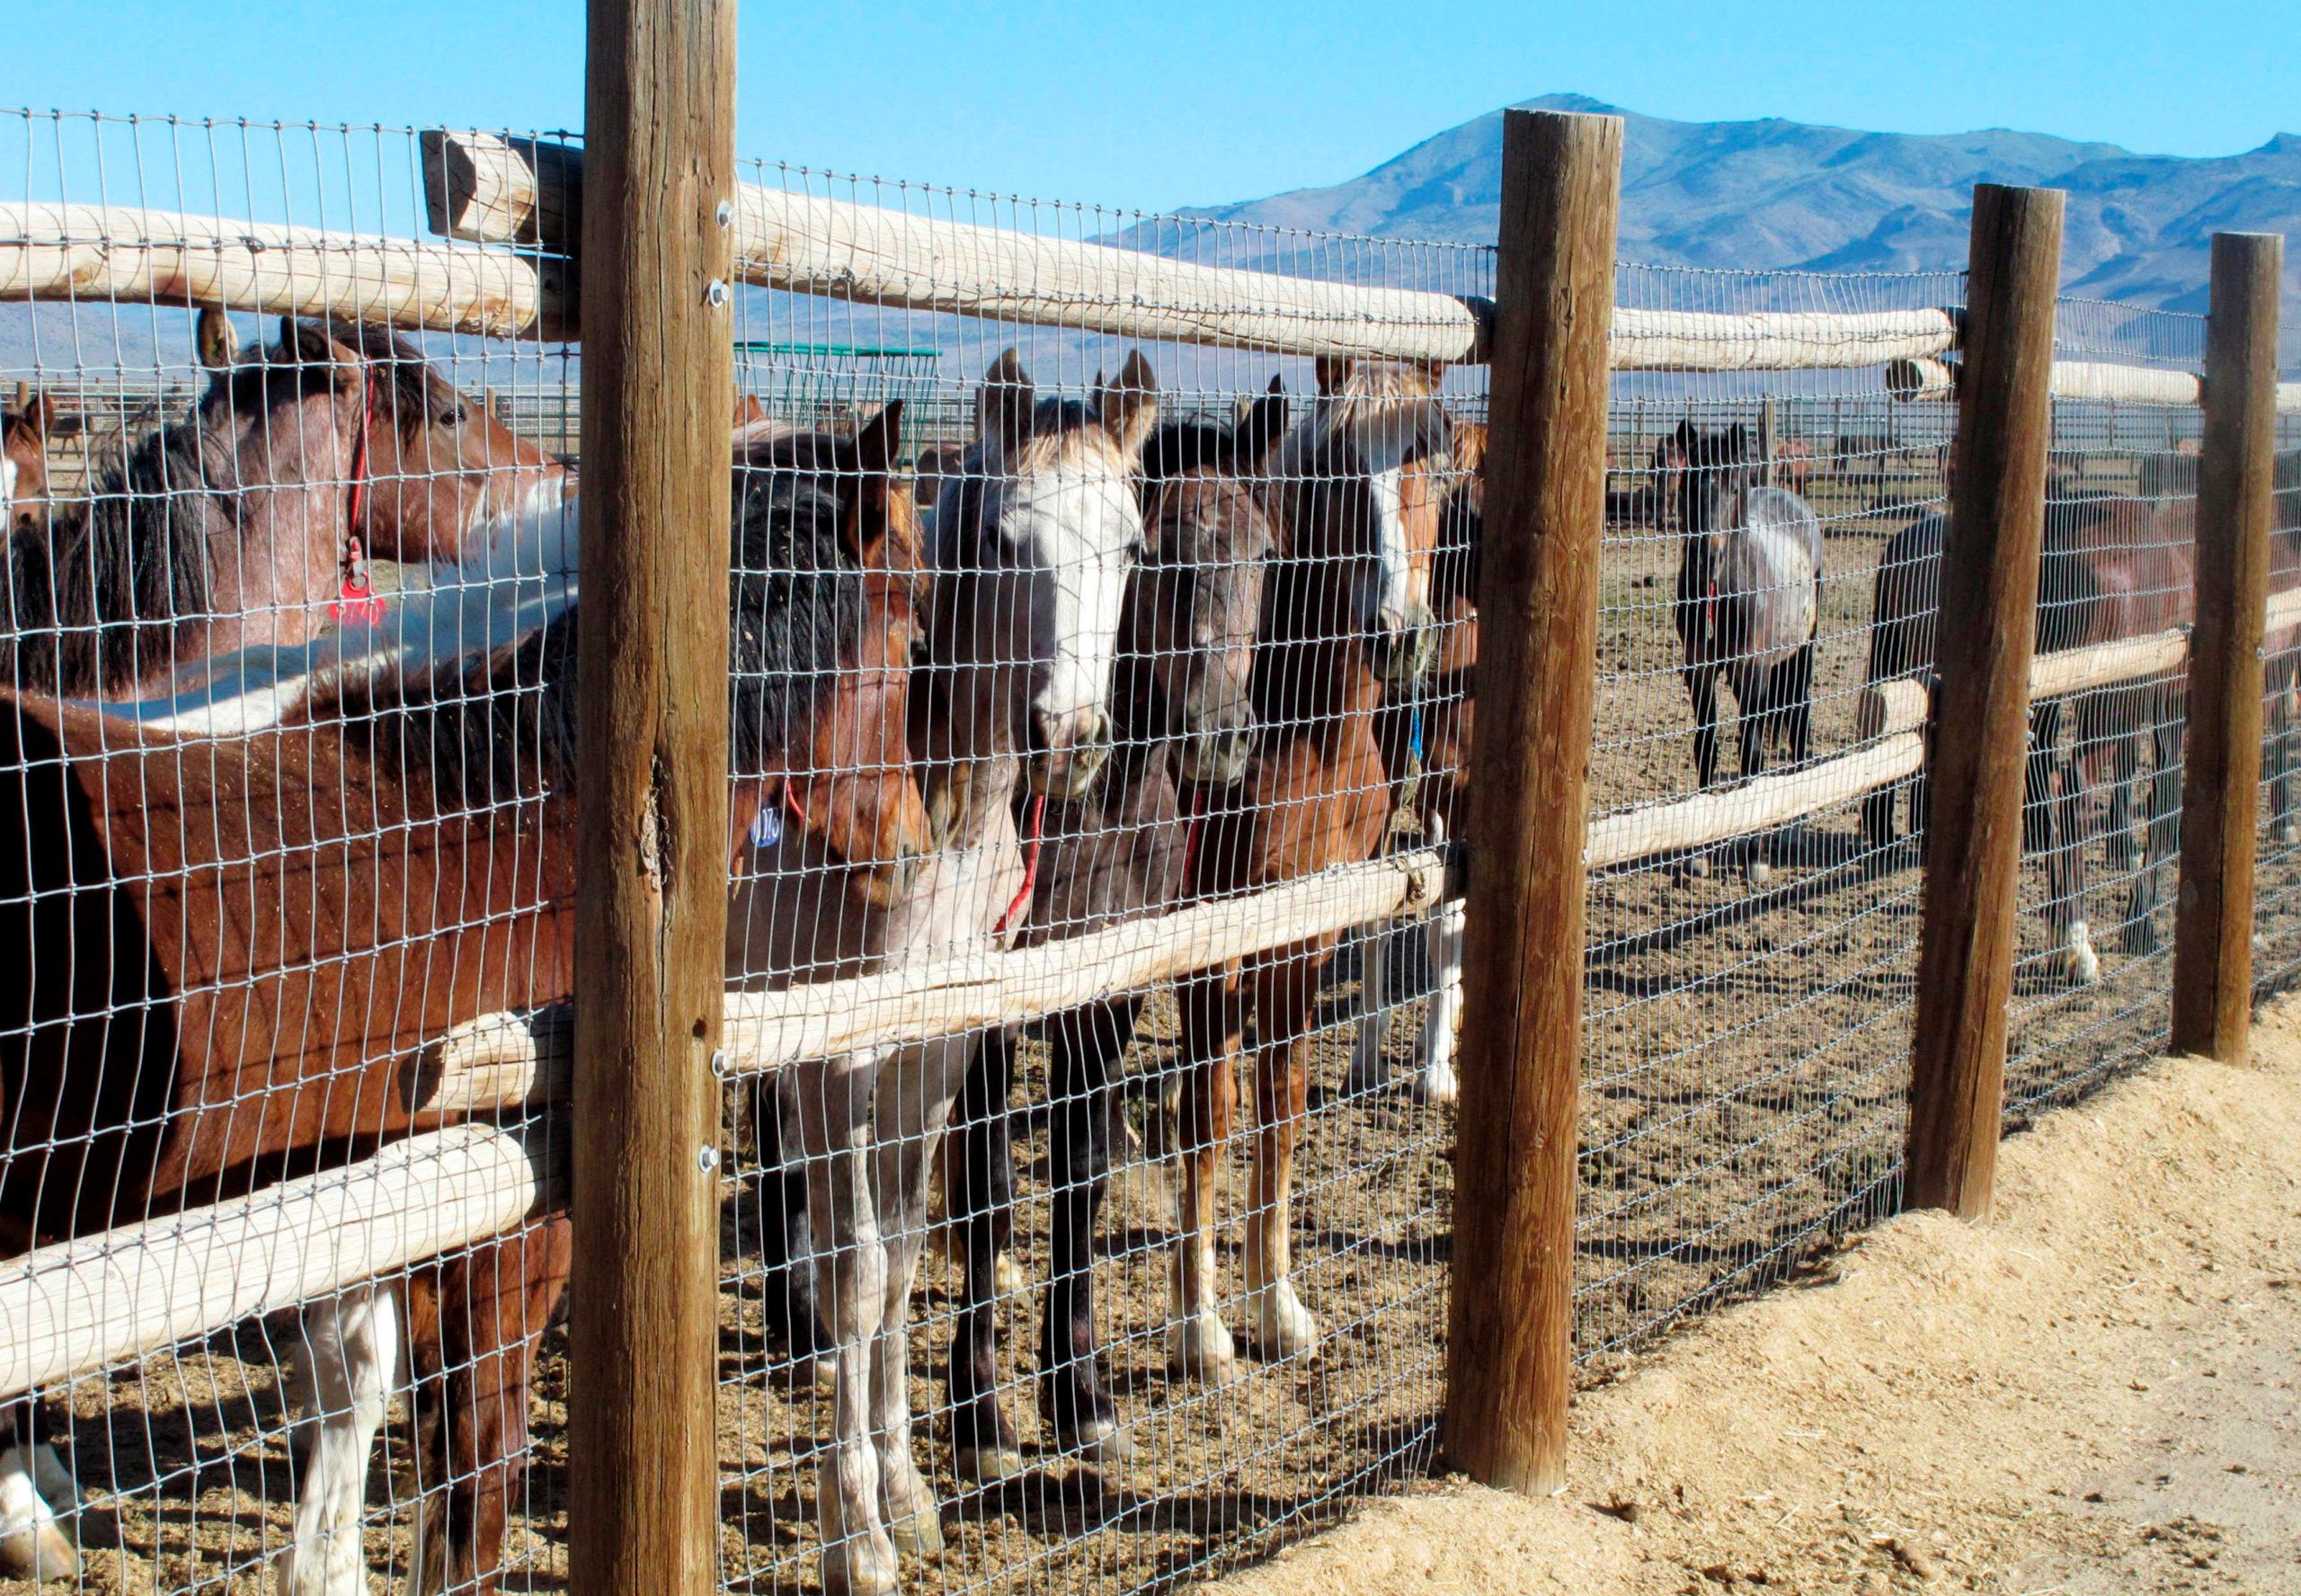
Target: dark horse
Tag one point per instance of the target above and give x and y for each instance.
(1185, 723)
(1748, 603)
(288, 917)
(2110, 569)
(239, 525)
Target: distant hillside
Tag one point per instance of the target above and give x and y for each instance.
(1784, 194)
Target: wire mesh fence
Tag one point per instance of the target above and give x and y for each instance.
(1047, 639)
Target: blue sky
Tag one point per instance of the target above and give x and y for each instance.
(1188, 101)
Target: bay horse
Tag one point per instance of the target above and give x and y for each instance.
(2281, 650)
(1437, 726)
(409, 833)
(1748, 605)
(245, 523)
(2110, 569)
(1029, 551)
(1345, 620)
(1185, 720)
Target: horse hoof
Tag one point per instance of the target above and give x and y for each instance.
(987, 1466)
(34, 1544)
(2287, 833)
(1369, 1069)
(1697, 867)
(1098, 1441)
(921, 1534)
(1006, 1275)
(1283, 1327)
(861, 1565)
(1760, 872)
(39, 1552)
(1200, 1348)
(2140, 938)
(2079, 964)
(1437, 1087)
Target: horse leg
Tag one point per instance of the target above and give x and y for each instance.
(979, 1182)
(1286, 991)
(1702, 684)
(2165, 826)
(35, 1543)
(1087, 1046)
(1370, 1065)
(1754, 712)
(2281, 676)
(1198, 1344)
(858, 1557)
(908, 1114)
(788, 1279)
(2074, 959)
(494, 1303)
(1441, 1021)
(344, 1374)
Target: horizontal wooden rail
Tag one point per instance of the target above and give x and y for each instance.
(478, 186)
(1892, 717)
(1926, 378)
(80, 1306)
(502, 1060)
(94, 254)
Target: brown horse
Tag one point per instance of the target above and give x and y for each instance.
(1184, 708)
(408, 834)
(2281, 650)
(242, 525)
(1345, 620)
(1434, 732)
(2110, 569)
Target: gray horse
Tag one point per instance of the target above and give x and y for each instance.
(1749, 599)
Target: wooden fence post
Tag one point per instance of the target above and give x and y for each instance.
(1509, 1355)
(1989, 589)
(657, 359)
(2213, 930)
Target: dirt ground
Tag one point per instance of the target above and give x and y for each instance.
(2094, 1394)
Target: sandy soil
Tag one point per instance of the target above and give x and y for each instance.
(2094, 1394)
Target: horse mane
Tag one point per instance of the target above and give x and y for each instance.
(499, 727)
(91, 597)
(1370, 396)
(412, 388)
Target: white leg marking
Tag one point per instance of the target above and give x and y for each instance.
(1442, 1026)
(34, 1543)
(348, 1372)
(1370, 1067)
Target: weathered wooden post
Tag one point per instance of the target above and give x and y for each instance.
(657, 361)
(1989, 588)
(1510, 1350)
(2213, 929)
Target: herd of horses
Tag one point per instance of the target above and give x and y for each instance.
(1116, 661)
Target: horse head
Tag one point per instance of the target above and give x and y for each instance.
(1194, 609)
(1034, 544)
(853, 789)
(1361, 476)
(24, 447)
(1720, 466)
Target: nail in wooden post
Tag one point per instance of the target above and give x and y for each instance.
(2213, 929)
(1989, 588)
(658, 357)
(1509, 1354)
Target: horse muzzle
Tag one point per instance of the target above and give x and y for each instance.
(1216, 748)
(1066, 761)
(1403, 648)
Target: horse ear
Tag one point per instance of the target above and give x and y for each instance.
(1686, 437)
(1129, 409)
(39, 415)
(1003, 404)
(1261, 424)
(1737, 443)
(214, 340)
(1332, 371)
(872, 456)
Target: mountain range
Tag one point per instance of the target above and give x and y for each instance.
(1783, 194)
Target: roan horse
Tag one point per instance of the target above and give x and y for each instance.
(1437, 727)
(1030, 549)
(1749, 604)
(1185, 720)
(242, 524)
(2110, 569)
(411, 834)
(1345, 619)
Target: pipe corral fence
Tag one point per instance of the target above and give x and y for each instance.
(967, 1012)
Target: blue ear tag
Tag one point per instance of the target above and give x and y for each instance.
(767, 830)
(1414, 730)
